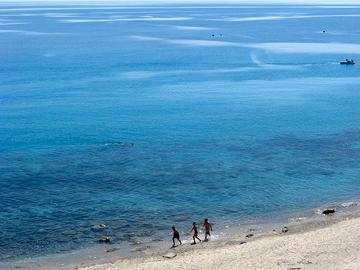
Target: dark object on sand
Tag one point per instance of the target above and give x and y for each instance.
(105, 239)
(249, 235)
(112, 250)
(285, 229)
(242, 242)
(170, 255)
(328, 211)
(348, 62)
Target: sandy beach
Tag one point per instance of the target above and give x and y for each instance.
(328, 244)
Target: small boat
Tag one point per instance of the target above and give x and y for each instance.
(348, 62)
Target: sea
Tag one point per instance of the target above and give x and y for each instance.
(147, 117)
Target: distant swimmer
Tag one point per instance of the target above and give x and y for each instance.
(208, 228)
(195, 235)
(176, 235)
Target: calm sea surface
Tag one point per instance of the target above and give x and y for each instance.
(141, 118)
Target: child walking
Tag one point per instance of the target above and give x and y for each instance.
(195, 235)
(176, 235)
(208, 228)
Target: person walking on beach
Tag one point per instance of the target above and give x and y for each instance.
(208, 228)
(195, 235)
(176, 235)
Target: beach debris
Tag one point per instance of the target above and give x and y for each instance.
(170, 255)
(242, 242)
(112, 249)
(328, 211)
(99, 226)
(105, 239)
(135, 242)
(249, 235)
(284, 229)
(140, 249)
(349, 204)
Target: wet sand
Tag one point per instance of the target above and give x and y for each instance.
(328, 243)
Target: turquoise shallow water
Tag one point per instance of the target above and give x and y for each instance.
(142, 118)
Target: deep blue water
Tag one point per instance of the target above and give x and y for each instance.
(141, 119)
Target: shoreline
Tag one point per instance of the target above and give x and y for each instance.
(98, 256)
(332, 242)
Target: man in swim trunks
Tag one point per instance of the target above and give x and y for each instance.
(208, 228)
(176, 235)
(195, 235)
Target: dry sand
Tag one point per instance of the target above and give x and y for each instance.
(335, 246)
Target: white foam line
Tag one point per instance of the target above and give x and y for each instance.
(12, 23)
(271, 18)
(126, 19)
(32, 33)
(194, 28)
(19, 15)
(59, 15)
(312, 48)
(150, 74)
(276, 47)
(103, 6)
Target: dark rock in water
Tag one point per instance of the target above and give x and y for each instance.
(112, 249)
(328, 211)
(249, 235)
(105, 239)
(99, 226)
(284, 229)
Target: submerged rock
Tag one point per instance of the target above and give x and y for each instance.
(328, 211)
(249, 235)
(284, 229)
(105, 239)
(99, 227)
(120, 144)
